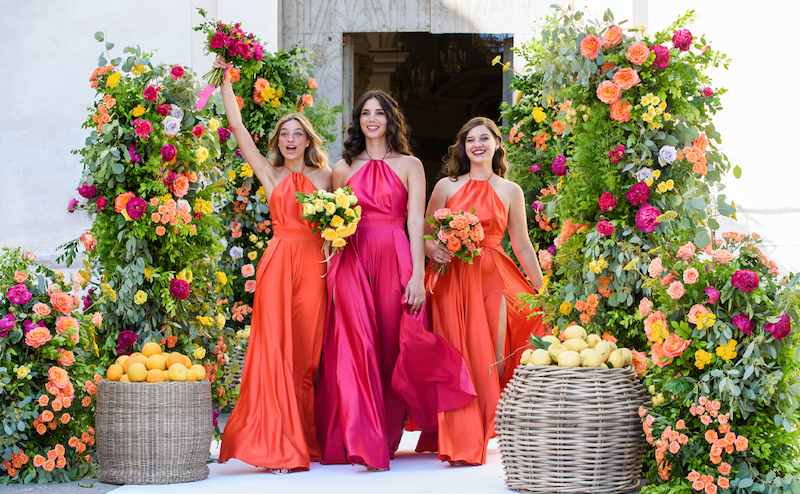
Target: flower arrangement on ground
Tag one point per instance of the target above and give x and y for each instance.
(461, 232)
(47, 376)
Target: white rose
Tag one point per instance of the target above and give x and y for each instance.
(667, 155)
(171, 125)
(644, 174)
(176, 112)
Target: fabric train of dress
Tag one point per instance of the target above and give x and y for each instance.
(465, 309)
(378, 359)
(272, 424)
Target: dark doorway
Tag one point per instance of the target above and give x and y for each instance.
(439, 80)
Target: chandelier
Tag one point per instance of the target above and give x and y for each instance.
(488, 44)
(422, 78)
(453, 59)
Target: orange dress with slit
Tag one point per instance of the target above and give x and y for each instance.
(465, 309)
(272, 424)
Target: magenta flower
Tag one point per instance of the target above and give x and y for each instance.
(706, 92)
(662, 56)
(607, 201)
(223, 134)
(559, 165)
(780, 329)
(214, 415)
(136, 207)
(258, 52)
(198, 130)
(605, 228)
(87, 191)
(682, 39)
(713, 295)
(179, 288)
(744, 323)
(18, 294)
(177, 72)
(73, 203)
(150, 93)
(218, 41)
(168, 152)
(616, 154)
(7, 324)
(639, 193)
(646, 218)
(29, 325)
(135, 158)
(537, 206)
(163, 110)
(101, 202)
(535, 168)
(143, 127)
(745, 280)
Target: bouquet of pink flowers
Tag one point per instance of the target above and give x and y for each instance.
(461, 233)
(236, 46)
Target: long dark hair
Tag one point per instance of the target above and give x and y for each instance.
(396, 128)
(457, 163)
(313, 155)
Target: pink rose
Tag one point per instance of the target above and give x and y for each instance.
(686, 252)
(675, 290)
(655, 269)
(607, 201)
(248, 270)
(590, 46)
(695, 311)
(721, 256)
(250, 286)
(645, 307)
(605, 228)
(690, 276)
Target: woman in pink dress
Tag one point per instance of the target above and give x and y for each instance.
(378, 358)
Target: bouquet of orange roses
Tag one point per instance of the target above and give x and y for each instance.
(461, 233)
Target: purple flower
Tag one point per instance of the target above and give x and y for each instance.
(780, 329)
(535, 168)
(123, 351)
(744, 323)
(135, 158)
(559, 165)
(706, 92)
(18, 294)
(6, 324)
(639, 193)
(745, 280)
(101, 202)
(605, 228)
(646, 218)
(238, 153)
(713, 295)
(136, 207)
(662, 56)
(72, 204)
(214, 415)
(223, 134)
(126, 338)
(168, 152)
(87, 191)
(552, 250)
(616, 154)
(179, 288)
(608, 201)
(28, 325)
(682, 39)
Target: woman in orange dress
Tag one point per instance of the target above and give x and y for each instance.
(272, 424)
(475, 306)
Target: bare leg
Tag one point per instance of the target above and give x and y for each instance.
(500, 344)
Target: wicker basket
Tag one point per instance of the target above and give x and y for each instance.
(571, 429)
(153, 433)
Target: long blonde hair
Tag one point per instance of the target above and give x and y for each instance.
(313, 156)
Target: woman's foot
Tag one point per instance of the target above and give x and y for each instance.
(372, 469)
(279, 471)
(460, 464)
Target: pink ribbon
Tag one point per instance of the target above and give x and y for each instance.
(202, 98)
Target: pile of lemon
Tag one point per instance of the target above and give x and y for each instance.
(579, 349)
(154, 366)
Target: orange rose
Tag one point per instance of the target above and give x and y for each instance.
(674, 345)
(721, 256)
(38, 460)
(695, 311)
(639, 362)
(46, 416)
(626, 78)
(66, 358)
(608, 92)
(607, 66)
(86, 401)
(122, 200)
(66, 325)
(44, 400)
(590, 46)
(459, 223)
(723, 483)
(620, 111)
(41, 310)
(49, 465)
(690, 276)
(233, 74)
(612, 36)
(58, 377)
(180, 186)
(65, 419)
(257, 99)
(62, 302)
(37, 337)
(701, 143)
(454, 244)
(261, 85)
(700, 168)
(638, 53)
(81, 447)
(20, 277)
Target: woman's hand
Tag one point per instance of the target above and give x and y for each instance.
(220, 63)
(442, 254)
(415, 294)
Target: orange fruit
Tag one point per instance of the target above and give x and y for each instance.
(121, 359)
(188, 362)
(114, 372)
(137, 372)
(137, 354)
(151, 348)
(175, 358)
(156, 361)
(199, 371)
(166, 375)
(132, 360)
(124, 379)
(155, 376)
(178, 372)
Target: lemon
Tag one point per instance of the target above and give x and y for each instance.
(593, 340)
(627, 355)
(551, 339)
(541, 357)
(575, 331)
(569, 358)
(575, 344)
(604, 349)
(591, 358)
(616, 360)
(555, 350)
(526, 356)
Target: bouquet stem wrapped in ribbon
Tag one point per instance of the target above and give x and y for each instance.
(334, 214)
(461, 233)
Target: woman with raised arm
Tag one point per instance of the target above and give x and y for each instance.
(475, 306)
(272, 424)
(378, 357)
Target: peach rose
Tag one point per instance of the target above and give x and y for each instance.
(66, 325)
(680, 424)
(674, 447)
(626, 78)
(686, 252)
(639, 362)
(683, 439)
(62, 302)
(545, 260)
(724, 468)
(41, 310)
(645, 307)
(695, 311)
(693, 476)
(669, 278)
(453, 244)
(20, 277)
(690, 276)
(653, 318)
(608, 92)
(66, 358)
(590, 46)
(459, 223)
(700, 168)
(44, 400)
(122, 200)
(97, 319)
(657, 355)
(655, 269)
(721, 256)
(38, 460)
(675, 290)
(612, 36)
(46, 416)
(701, 143)
(711, 488)
(674, 345)
(638, 53)
(58, 377)
(180, 186)
(620, 111)
(37, 337)
(723, 483)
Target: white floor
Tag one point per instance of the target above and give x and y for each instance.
(410, 473)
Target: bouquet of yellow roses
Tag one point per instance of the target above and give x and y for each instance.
(335, 214)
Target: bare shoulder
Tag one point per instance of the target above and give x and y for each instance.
(321, 177)
(511, 188)
(339, 169)
(448, 185)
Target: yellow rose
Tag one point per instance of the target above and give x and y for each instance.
(260, 244)
(140, 298)
(252, 255)
(138, 111)
(222, 277)
(337, 221)
(343, 201)
(353, 199)
(213, 125)
(349, 213)
(199, 353)
(662, 187)
(220, 321)
(329, 235)
(667, 116)
(186, 275)
(253, 238)
(352, 229)
(202, 154)
(262, 196)
(148, 273)
(343, 231)
(328, 195)
(308, 209)
(330, 207)
(357, 209)
(649, 182)
(22, 372)
(113, 79)
(339, 242)
(656, 173)
(670, 184)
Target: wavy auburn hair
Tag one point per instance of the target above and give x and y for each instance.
(396, 128)
(313, 156)
(457, 163)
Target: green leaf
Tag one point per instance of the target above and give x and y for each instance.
(109, 45)
(745, 483)
(795, 389)
(726, 209)
(98, 35)
(713, 224)
(698, 203)
(702, 239)
(737, 172)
